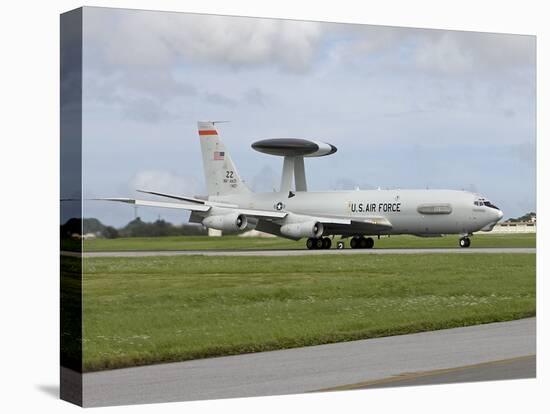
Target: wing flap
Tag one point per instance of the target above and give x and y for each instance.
(262, 213)
(380, 222)
(331, 220)
(374, 221)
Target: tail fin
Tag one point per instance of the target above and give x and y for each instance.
(220, 173)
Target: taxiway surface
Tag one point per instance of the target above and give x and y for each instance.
(301, 252)
(356, 364)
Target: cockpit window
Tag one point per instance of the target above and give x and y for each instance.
(489, 204)
(484, 202)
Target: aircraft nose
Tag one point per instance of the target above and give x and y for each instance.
(500, 214)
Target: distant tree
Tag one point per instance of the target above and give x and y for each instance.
(160, 228)
(110, 232)
(135, 228)
(92, 225)
(525, 217)
(87, 225)
(72, 226)
(194, 230)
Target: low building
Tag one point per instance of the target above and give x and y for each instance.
(516, 227)
(214, 233)
(256, 233)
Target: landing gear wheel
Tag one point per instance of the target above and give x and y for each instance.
(326, 243)
(464, 242)
(354, 243)
(369, 242)
(319, 243)
(362, 243)
(310, 243)
(340, 245)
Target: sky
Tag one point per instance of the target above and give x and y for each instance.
(406, 108)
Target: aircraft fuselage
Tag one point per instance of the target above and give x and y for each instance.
(421, 212)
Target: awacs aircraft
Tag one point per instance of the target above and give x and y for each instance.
(297, 213)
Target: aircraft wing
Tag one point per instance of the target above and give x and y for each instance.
(340, 226)
(175, 197)
(187, 198)
(163, 204)
(378, 222)
(343, 226)
(197, 207)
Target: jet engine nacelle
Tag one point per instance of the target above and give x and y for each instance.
(226, 222)
(304, 229)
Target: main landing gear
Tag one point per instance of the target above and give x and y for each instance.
(318, 243)
(357, 242)
(464, 242)
(360, 242)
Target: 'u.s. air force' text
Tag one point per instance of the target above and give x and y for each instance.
(375, 208)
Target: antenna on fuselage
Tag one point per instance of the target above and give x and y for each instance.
(293, 150)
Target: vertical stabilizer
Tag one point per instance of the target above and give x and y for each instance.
(220, 173)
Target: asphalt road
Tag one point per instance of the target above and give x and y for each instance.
(345, 365)
(513, 368)
(301, 252)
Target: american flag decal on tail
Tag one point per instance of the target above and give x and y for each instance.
(219, 155)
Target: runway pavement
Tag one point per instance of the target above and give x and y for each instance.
(345, 365)
(301, 252)
(513, 368)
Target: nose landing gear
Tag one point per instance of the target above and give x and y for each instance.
(464, 242)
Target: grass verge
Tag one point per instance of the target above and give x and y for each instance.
(149, 310)
(235, 242)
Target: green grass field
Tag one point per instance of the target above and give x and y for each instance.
(158, 309)
(235, 242)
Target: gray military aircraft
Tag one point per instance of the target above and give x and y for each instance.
(297, 213)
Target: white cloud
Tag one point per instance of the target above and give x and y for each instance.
(451, 52)
(219, 99)
(131, 58)
(372, 91)
(437, 51)
(140, 94)
(444, 54)
(266, 180)
(164, 182)
(148, 38)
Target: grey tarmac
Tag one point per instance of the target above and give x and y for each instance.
(333, 366)
(514, 368)
(303, 252)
